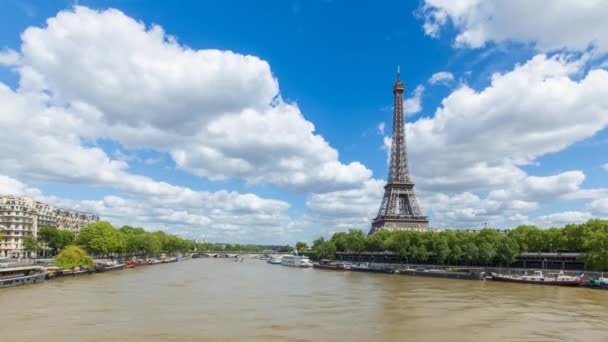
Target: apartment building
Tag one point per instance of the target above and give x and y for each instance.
(22, 216)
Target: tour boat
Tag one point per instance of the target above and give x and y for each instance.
(275, 259)
(331, 265)
(296, 261)
(538, 278)
(15, 276)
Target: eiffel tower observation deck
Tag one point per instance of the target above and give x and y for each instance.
(399, 209)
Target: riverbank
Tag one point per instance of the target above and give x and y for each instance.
(462, 272)
(15, 273)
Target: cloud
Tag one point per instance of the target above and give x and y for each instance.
(480, 139)
(605, 167)
(599, 206)
(563, 218)
(442, 77)
(553, 25)
(11, 186)
(9, 57)
(381, 128)
(218, 114)
(219, 215)
(412, 105)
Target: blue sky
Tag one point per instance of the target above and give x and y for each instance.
(169, 130)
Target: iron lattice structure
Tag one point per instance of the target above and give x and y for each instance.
(399, 209)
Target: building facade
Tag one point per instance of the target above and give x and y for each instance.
(21, 217)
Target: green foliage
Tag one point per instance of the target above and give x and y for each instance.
(101, 238)
(285, 249)
(30, 244)
(316, 245)
(507, 250)
(72, 257)
(596, 257)
(377, 242)
(327, 250)
(55, 239)
(301, 246)
(486, 247)
(324, 249)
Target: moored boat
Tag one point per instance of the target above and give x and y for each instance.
(366, 268)
(109, 266)
(601, 283)
(78, 271)
(275, 259)
(53, 272)
(131, 264)
(296, 261)
(331, 265)
(538, 277)
(15, 276)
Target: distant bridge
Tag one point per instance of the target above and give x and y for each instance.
(210, 254)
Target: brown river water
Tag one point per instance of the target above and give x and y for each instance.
(210, 299)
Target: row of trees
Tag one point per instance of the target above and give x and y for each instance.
(485, 247)
(101, 238)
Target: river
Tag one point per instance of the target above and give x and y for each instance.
(210, 299)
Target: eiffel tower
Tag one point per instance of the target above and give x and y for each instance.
(399, 209)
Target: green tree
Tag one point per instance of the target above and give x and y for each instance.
(327, 250)
(355, 240)
(301, 246)
(507, 250)
(441, 247)
(419, 253)
(55, 239)
(285, 249)
(316, 244)
(596, 257)
(470, 252)
(399, 243)
(101, 238)
(150, 244)
(340, 240)
(131, 230)
(378, 241)
(486, 253)
(72, 257)
(30, 244)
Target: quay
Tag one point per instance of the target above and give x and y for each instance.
(33, 274)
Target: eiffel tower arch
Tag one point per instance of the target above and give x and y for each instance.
(399, 209)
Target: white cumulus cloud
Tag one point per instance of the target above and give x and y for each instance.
(442, 77)
(549, 25)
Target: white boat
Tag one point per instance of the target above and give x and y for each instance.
(538, 277)
(296, 261)
(275, 259)
(15, 276)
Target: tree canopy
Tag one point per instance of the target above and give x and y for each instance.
(485, 247)
(72, 257)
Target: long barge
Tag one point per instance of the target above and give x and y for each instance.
(16, 276)
(539, 279)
